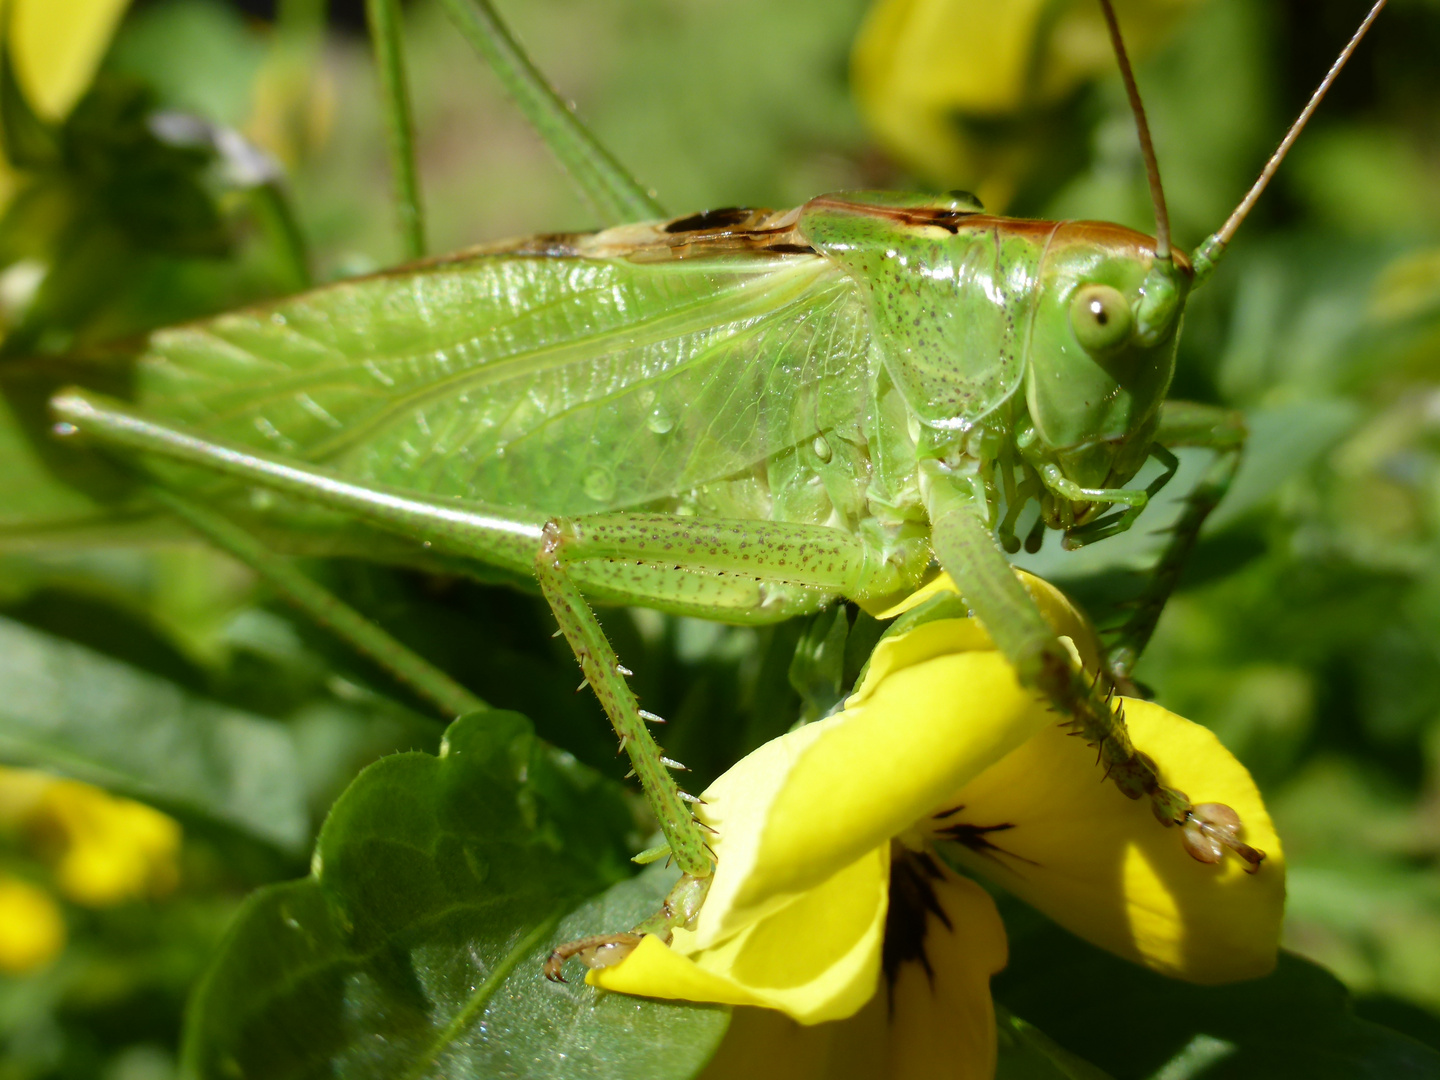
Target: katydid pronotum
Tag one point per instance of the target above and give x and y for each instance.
(741, 415)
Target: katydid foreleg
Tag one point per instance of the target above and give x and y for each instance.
(965, 544)
(1100, 528)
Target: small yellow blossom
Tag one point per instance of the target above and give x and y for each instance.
(32, 930)
(104, 850)
(831, 844)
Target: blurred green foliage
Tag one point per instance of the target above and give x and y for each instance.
(1307, 631)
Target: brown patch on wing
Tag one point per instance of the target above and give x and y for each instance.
(952, 221)
(730, 230)
(711, 220)
(769, 232)
(714, 232)
(919, 216)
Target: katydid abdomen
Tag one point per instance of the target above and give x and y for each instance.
(547, 379)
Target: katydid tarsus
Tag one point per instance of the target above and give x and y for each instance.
(742, 415)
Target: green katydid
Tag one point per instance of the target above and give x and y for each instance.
(742, 415)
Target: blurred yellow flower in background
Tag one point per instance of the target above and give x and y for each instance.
(832, 844)
(102, 849)
(32, 930)
(56, 46)
(949, 86)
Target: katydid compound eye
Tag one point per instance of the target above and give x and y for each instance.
(1100, 317)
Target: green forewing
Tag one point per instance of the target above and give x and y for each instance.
(556, 383)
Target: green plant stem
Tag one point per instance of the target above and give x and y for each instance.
(325, 608)
(615, 195)
(383, 17)
(278, 217)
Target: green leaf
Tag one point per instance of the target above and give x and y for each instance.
(414, 948)
(1027, 1053)
(1284, 441)
(1136, 1025)
(817, 669)
(67, 708)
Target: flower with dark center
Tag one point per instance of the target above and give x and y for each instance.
(837, 906)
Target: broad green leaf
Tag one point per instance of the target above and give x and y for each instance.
(67, 708)
(1284, 441)
(1135, 1024)
(414, 948)
(1027, 1053)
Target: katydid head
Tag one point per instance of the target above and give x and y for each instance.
(1101, 351)
(1100, 355)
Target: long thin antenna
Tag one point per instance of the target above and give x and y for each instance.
(1147, 148)
(1210, 251)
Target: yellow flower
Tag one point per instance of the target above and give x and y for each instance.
(104, 850)
(830, 879)
(954, 87)
(56, 45)
(32, 931)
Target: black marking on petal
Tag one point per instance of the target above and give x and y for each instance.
(912, 901)
(977, 838)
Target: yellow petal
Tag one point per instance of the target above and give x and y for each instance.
(921, 68)
(32, 930)
(939, 1026)
(766, 1045)
(1099, 864)
(944, 1018)
(1059, 612)
(58, 44)
(791, 815)
(815, 959)
(111, 849)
